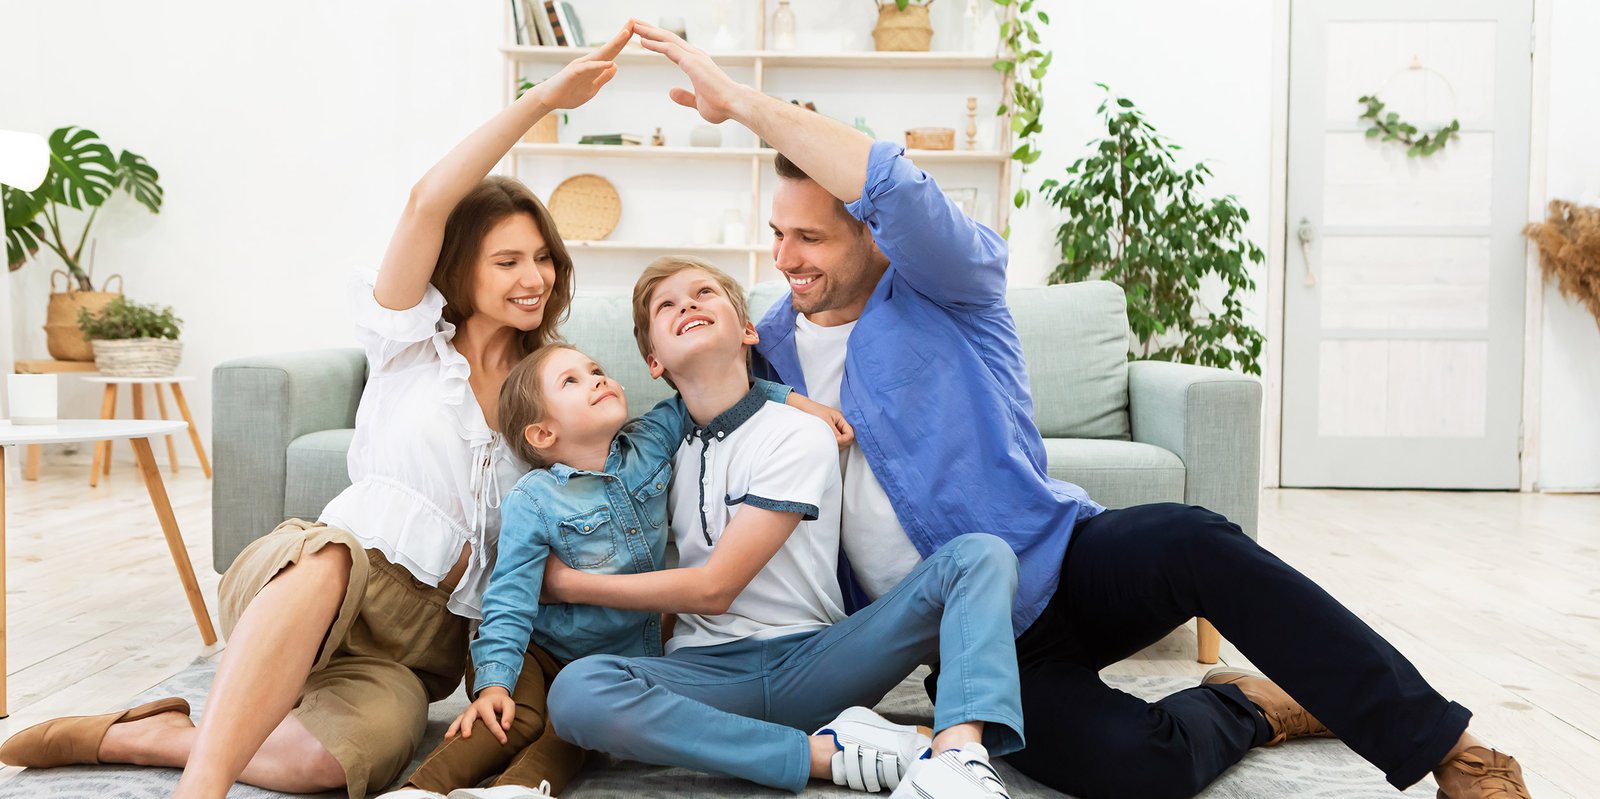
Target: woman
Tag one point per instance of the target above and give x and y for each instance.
(341, 631)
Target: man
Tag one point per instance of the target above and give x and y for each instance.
(897, 313)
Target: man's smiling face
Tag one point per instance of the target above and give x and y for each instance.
(828, 258)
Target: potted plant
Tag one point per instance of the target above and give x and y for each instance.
(83, 175)
(903, 25)
(133, 340)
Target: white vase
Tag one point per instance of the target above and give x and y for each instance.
(783, 27)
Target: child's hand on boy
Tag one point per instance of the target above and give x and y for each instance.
(492, 702)
(843, 433)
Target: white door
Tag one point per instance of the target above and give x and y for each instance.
(1403, 292)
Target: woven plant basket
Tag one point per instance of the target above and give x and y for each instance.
(63, 338)
(903, 31)
(137, 357)
(546, 131)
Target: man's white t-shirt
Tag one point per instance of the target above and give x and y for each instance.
(880, 553)
(771, 456)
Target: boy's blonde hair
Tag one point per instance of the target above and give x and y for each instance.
(522, 402)
(664, 267)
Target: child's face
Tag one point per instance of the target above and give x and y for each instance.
(581, 404)
(692, 319)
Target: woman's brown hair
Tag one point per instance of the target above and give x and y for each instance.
(494, 199)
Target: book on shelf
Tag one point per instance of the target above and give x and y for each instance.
(541, 22)
(554, 14)
(574, 26)
(530, 13)
(518, 24)
(612, 138)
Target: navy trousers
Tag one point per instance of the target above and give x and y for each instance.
(1130, 577)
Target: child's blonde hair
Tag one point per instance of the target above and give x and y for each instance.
(664, 267)
(522, 402)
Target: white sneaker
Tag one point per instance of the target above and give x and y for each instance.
(874, 753)
(411, 793)
(962, 773)
(504, 792)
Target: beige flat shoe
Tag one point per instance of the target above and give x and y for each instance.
(75, 740)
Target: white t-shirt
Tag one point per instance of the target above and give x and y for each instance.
(770, 456)
(880, 553)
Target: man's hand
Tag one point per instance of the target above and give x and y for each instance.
(579, 81)
(491, 702)
(843, 434)
(557, 582)
(714, 92)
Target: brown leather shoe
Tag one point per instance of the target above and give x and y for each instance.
(76, 740)
(1286, 717)
(1479, 773)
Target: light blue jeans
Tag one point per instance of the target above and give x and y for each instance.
(745, 709)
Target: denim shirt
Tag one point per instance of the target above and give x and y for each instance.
(936, 388)
(608, 522)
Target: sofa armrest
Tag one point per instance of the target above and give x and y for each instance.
(258, 406)
(1211, 419)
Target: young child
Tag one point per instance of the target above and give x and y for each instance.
(763, 649)
(596, 498)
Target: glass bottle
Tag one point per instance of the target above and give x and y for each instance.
(783, 27)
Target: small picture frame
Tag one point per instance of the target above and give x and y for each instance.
(966, 198)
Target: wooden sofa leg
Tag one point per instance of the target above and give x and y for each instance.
(1209, 640)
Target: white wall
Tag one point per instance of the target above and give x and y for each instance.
(288, 136)
(1570, 413)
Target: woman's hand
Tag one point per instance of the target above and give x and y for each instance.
(491, 702)
(578, 82)
(557, 582)
(843, 433)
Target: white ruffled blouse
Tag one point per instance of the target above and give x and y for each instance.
(426, 472)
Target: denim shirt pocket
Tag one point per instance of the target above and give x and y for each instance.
(589, 539)
(649, 496)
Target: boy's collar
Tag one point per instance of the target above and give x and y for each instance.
(730, 420)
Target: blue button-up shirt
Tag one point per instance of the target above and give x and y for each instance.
(936, 388)
(609, 522)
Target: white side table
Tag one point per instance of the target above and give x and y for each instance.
(138, 433)
(108, 410)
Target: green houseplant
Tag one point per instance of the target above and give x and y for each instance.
(83, 175)
(1134, 217)
(133, 340)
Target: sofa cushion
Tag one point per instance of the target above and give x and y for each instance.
(1075, 343)
(1117, 473)
(318, 469)
(601, 324)
(1075, 340)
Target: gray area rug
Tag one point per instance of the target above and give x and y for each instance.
(1316, 769)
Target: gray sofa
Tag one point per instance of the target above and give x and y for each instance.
(1128, 433)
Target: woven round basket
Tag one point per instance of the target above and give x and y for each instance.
(137, 357)
(585, 207)
(903, 31)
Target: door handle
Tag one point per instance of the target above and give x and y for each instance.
(1307, 233)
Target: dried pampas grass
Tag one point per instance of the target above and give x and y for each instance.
(1569, 250)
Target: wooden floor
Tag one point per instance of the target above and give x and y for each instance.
(1496, 597)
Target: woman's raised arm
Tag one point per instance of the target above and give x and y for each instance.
(414, 248)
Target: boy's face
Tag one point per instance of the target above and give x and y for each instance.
(581, 404)
(692, 322)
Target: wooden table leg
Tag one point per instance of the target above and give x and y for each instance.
(1209, 641)
(194, 435)
(102, 449)
(172, 450)
(169, 527)
(138, 403)
(30, 465)
(3, 709)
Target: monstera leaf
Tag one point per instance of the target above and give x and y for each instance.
(22, 231)
(82, 168)
(136, 176)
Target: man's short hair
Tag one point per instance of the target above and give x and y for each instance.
(788, 170)
(664, 267)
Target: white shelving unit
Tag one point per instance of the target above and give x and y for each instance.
(760, 62)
